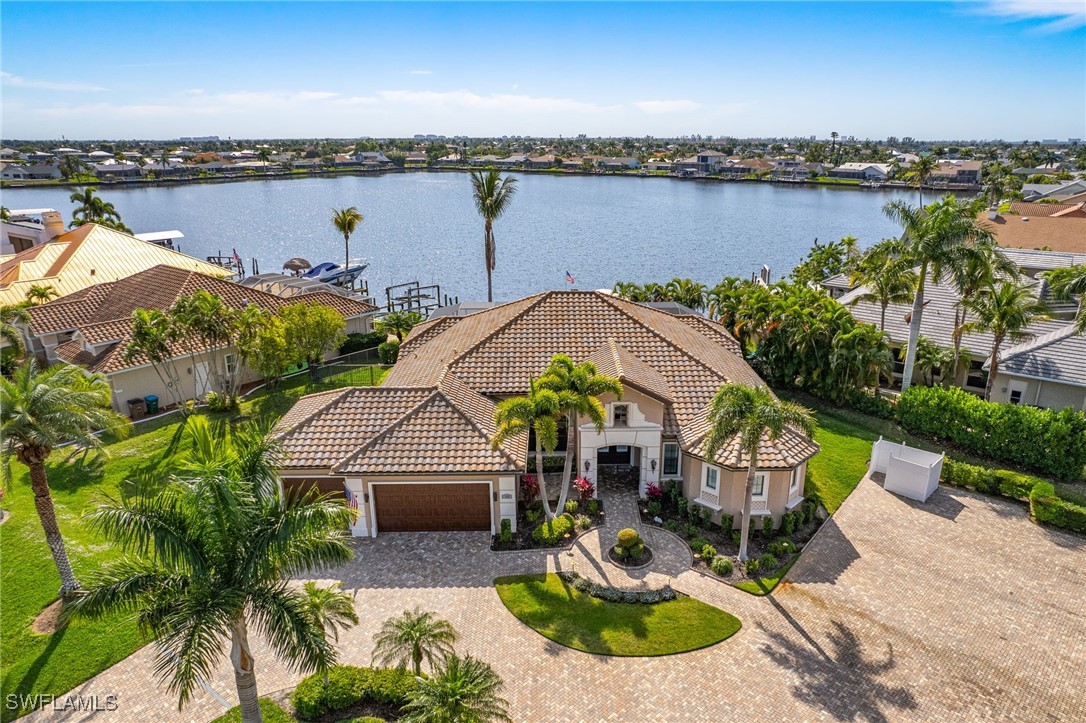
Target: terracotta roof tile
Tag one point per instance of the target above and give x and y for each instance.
(615, 360)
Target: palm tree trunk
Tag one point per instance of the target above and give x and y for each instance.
(567, 467)
(993, 369)
(346, 256)
(488, 242)
(244, 673)
(43, 503)
(416, 660)
(914, 330)
(748, 503)
(882, 317)
(958, 344)
(543, 497)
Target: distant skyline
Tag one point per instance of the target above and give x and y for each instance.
(1010, 69)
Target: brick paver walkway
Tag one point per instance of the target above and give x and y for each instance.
(958, 609)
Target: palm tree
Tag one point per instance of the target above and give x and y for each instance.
(1068, 284)
(687, 292)
(10, 315)
(493, 194)
(861, 357)
(929, 357)
(833, 146)
(578, 387)
(750, 414)
(263, 156)
(155, 337)
(932, 235)
(974, 268)
(346, 220)
(91, 208)
(1005, 309)
(462, 690)
(399, 323)
(331, 609)
(41, 294)
(919, 172)
(412, 637)
(40, 410)
(887, 276)
(537, 413)
(211, 555)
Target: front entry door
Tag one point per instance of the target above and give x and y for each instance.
(618, 466)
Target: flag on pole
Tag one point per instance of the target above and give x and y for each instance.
(569, 277)
(237, 259)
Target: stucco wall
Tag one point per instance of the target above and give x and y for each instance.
(143, 381)
(732, 486)
(1051, 395)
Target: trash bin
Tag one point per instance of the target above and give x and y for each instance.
(137, 409)
(152, 404)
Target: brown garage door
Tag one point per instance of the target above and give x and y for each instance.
(413, 507)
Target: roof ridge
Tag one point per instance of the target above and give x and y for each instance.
(501, 327)
(301, 423)
(1039, 342)
(385, 432)
(467, 417)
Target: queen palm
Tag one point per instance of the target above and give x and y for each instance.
(919, 172)
(749, 415)
(40, 410)
(1005, 310)
(346, 221)
(578, 387)
(536, 412)
(41, 294)
(211, 556)
(412, 637)
(461, 690)
(933, 235)
(887, 276)
(492, 194)
(10, 315)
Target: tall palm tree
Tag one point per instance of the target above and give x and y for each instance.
(537, 413)
(919, 172)
(39, 294)
(933, 234)
(412, 637)
(1005, 309)
(10, 315)
(346, 220)
(263, 156)
(887, 276)
(749, 415)
(974, 268)
(211, 555)
(462, 690)
(332, 609)
(91, 208)
(399, 323)
(833, 146)
(492, 194)
(40, 410)
(578, 387)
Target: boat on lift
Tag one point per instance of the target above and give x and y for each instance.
(332, 273)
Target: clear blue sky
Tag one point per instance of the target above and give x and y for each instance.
(1009, 69)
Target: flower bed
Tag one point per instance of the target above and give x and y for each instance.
(715, 547)
(533, 532)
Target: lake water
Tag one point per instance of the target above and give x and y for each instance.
(424, 226)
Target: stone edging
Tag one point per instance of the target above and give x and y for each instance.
(642, 566)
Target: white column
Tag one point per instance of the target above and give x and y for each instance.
(507, 499)
(356, 498)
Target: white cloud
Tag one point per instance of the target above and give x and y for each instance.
(420, 72)
(667, 106)
(16, 81)
(1064, 14)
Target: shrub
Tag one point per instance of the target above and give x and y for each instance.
(269, 711)
(593, 507)
(628, 537)
(697, 543)
(690, 530)
(1046, 507)
(348, 685)
(721, 566)
(358, 342)
(220, 402)
(585, 489)
(751, 566)
(737, 537)
(1044, 440)
(572, 506)
(768, 562)
(767, 526)
(861, 401)
(637, 550)
(708, 553)
(529, 487)
(583, 522)
(681, 506)
(654, 493)
(655, 508)
(726, 522)
(671, 525)
(993, 481)
(788, 523)
(706, 517)
(531, 514)
(781, 547)
(388, 351)
(553, 531)
(507, 531)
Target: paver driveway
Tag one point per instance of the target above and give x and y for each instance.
(960, 609)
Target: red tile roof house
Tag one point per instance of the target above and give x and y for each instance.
(92, 328)
(416, 454)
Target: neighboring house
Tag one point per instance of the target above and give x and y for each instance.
(956, 173)
(1058, 191)
(453, 159)
(710, 161)
(118, 169)
(373, 158)
(83, 257)
(1047, 371)
(27, 229)
(34, 172)
(93, 327)
(416, 159)
(618, 164)
(1066, 233)
(513, 161)
(862, 171)
(341, 160)
(489, 160)
(545, 161)
(1062, 210)
(1051, 170)
(7, 154)
(837, 286)
(416, 453)
(13, 172)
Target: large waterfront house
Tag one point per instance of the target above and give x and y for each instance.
(863, 171)
(93, 327)
(417, 452)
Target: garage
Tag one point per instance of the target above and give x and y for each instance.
(432, 507)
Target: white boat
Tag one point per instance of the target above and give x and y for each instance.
(332, 273)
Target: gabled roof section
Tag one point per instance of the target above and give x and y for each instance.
(615, 360)
(1059, 356)
(786, 452)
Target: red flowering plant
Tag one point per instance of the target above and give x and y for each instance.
(585, 488)
(653, 492)
(529, 487)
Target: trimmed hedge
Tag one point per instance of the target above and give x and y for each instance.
(388, 352)
(358, 342)
(553, 531)
(1049, 442)
(348, 685)
(1046, 507)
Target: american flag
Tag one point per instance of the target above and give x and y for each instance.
(569, 277)
(237, 259)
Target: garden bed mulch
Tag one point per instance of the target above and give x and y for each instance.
(522, 539)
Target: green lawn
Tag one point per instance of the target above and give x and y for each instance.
(846, 449)
(548, 605)
(31, 663)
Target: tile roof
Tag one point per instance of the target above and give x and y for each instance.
(787, 451)
(439, 398)
(1055, 233)
(1024, 208)
(1059, 356)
